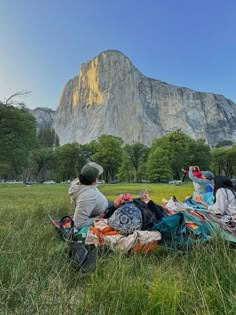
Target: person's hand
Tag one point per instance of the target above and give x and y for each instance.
(97, 219)
(117, 201)
(198, 198)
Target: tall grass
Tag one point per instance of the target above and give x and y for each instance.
(36, 276)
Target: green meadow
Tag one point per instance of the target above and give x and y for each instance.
(36, 276)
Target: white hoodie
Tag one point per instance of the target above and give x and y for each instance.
(89, 202)
(225, 202)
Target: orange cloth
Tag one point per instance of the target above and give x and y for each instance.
(108, 230)
(144, 248)
(98, 233)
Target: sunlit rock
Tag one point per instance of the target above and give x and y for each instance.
(111, 96)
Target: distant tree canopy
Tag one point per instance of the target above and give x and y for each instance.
(109, 155)
(17, 138)
(70, 158)
(224, 143)
(29, 155)
(42, 163)
(180, 151)
(133, 162)
(47, 137)
(224, 161)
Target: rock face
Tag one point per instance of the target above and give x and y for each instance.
(44, 116)
(111, 96)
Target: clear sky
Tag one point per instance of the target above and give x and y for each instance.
(188, 43)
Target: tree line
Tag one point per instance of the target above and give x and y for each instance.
(30, 154)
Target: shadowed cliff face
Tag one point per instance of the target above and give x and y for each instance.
(44, 116)
(110, 96)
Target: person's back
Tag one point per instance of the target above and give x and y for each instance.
(88, 200)
(225, 197)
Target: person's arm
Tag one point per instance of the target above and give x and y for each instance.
(199, 181)
(112, 206)
(185, 171)
(156, 209)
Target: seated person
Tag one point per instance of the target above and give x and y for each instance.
(201, 185)
(155, 208)
(89, 202)
(224, 197)
(151, 212)
(196, 172)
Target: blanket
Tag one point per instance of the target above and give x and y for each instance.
(138, 241)
(186, 225)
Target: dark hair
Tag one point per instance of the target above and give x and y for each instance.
(223, 182)
(84, 181)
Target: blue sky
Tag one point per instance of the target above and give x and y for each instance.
(188, 43)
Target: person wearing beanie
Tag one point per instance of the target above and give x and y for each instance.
(89, 202)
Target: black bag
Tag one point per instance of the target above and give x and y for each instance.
(83, 258)
(150, 215)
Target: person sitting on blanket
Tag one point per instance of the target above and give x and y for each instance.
(155, 208)
(89, 202)
(142, 210)
(224, 197)
(196, 172)
(201, 185)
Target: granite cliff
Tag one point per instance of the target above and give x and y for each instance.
(44, 116)
(111, 96)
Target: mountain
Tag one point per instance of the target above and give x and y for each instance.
(44, 116)
(111, 96)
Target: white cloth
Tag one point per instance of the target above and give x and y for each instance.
(225, 202)
(123, 243)
(176, 205)
(89, 202)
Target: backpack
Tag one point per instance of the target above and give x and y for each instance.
(82, 257)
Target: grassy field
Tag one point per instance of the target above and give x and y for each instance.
(36, 276)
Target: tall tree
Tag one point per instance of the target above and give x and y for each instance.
(224, 161)
(199, 154)
(13, 99)
(126, 171)
(158, 165)
(47, 137)
(89, 149)
(70, 158)
(109, 155)
(44, 161)
(176, 146)
(137, 153)
(17, 138)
